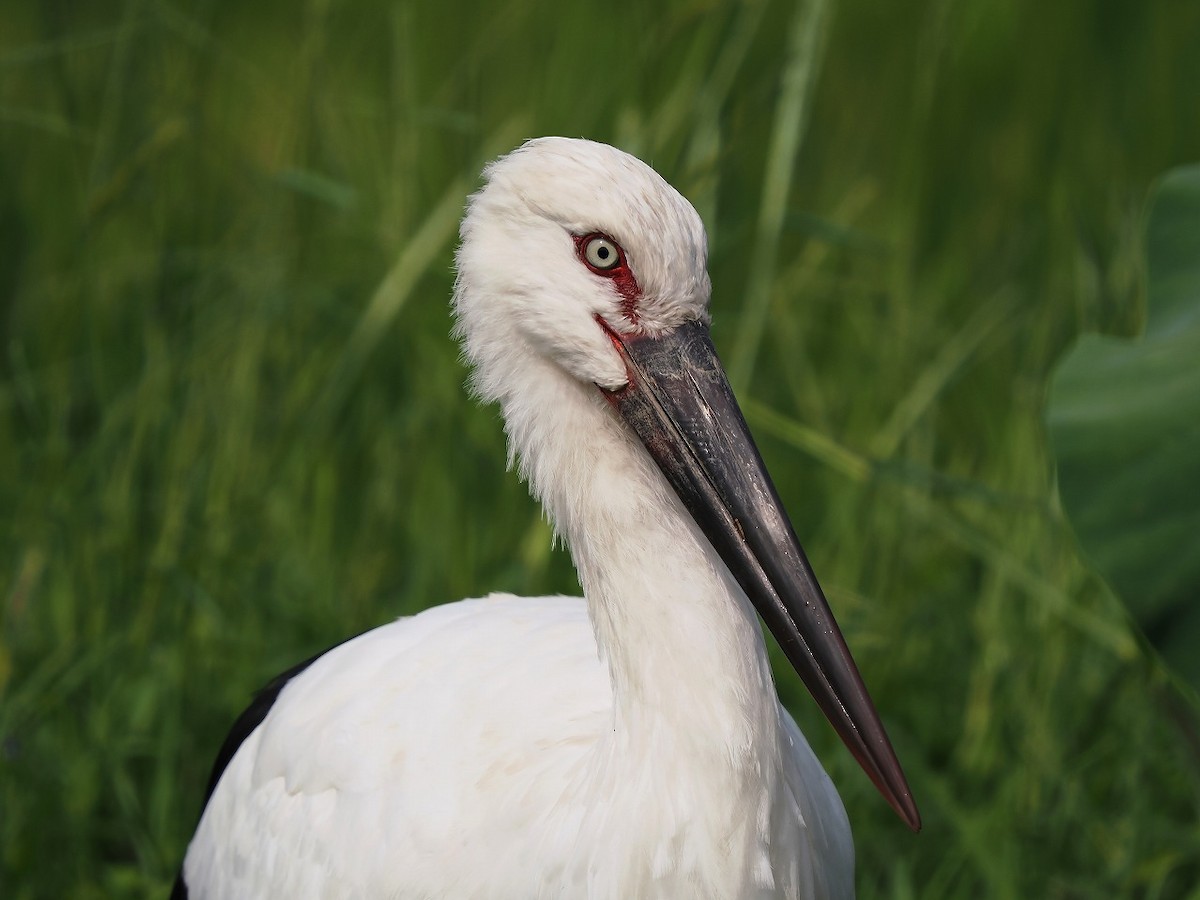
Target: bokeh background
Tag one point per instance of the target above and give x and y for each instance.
(233, 429)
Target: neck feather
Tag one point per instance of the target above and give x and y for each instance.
(682, 642)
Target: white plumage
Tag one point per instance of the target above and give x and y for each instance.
(626, 745)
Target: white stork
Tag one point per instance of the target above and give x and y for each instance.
(627, 744)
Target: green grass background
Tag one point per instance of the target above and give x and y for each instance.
(233, 430)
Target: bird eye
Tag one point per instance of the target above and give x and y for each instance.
(601, 253)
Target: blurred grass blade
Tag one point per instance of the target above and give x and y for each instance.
(319, 187)
(791, 115)
(1102, 630)
(815, 443)
(167, 134)
(423, 248)
(993, 313)
(704, 144)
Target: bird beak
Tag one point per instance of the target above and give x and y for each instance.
(679, 403)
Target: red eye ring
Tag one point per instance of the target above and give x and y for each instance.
(588, 247)
(601, 254)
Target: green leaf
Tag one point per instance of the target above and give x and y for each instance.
(1124, 420)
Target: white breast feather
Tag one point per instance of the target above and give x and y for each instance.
(436, 782)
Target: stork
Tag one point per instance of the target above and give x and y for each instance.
(629, 743)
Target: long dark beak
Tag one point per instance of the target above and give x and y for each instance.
(679, 403)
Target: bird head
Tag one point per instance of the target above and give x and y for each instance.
(569, 241)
